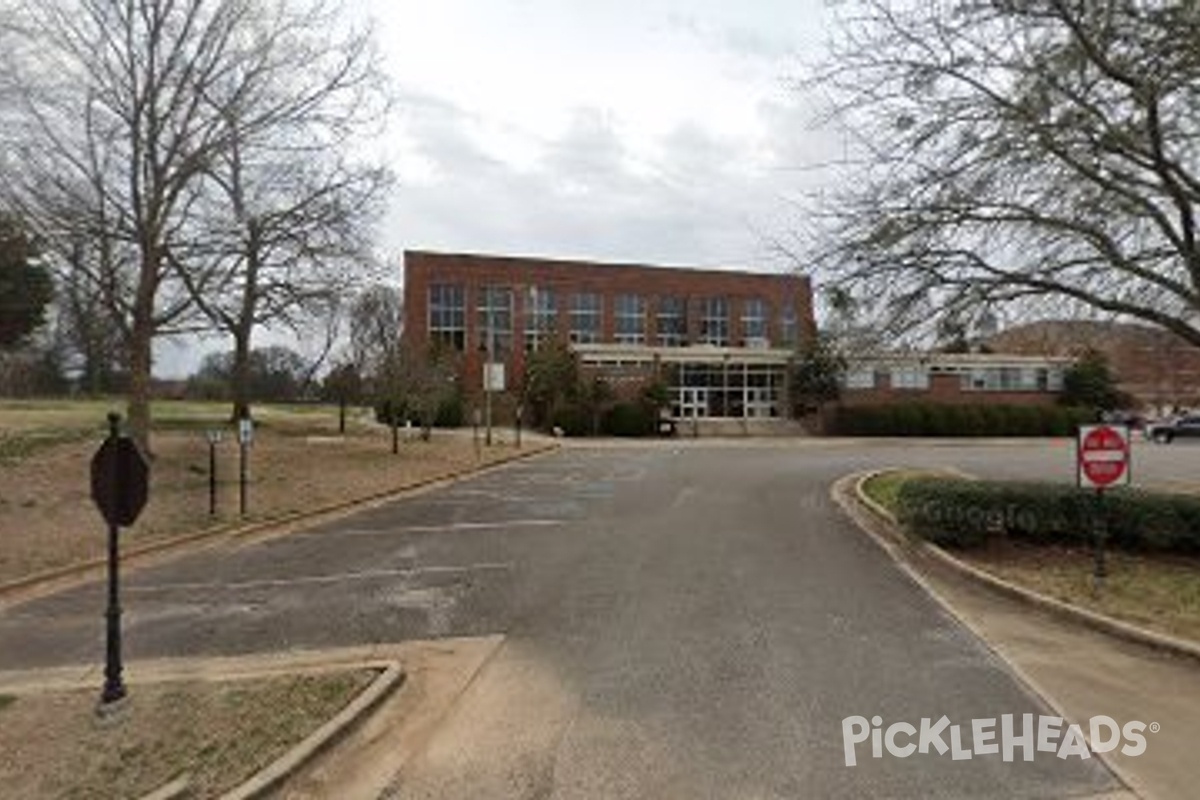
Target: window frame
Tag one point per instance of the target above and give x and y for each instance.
(581, 311)
(629, 324)
(446, 322)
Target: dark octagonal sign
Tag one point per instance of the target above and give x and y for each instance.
(120, 479)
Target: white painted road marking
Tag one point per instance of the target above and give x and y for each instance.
(450, 526)
(371, 574)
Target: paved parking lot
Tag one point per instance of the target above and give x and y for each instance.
(683, 619)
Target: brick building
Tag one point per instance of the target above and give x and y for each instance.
(721, 340)
(954, 378)
(1158, 368)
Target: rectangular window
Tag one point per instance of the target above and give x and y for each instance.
(980, 380)
(787, 326)
(909, 378)
(714, 321)
(629, 319)
(585, 318)
(495, 317)
(447, 315)
(541, 316)
(860, 378)
(754, 322)
(671, 321)
(1011, 379)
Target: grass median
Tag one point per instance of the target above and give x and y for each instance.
(298, 463)
(1160, 591)
(218, 733)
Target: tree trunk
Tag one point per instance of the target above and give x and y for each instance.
(244, 326)
(240, 376)
(140, 361)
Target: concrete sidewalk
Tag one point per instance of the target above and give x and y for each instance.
(1084, 673)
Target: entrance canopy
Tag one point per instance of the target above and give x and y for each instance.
(705, 382)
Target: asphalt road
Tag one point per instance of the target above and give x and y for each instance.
(690, 620)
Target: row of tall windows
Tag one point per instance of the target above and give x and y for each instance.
(974, 379)
(495, 313)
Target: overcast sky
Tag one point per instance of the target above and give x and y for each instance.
(639, 130)
(653, 131)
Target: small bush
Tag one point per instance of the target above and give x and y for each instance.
(629, 419)
(941, 419)
(450, 412)
(387, 410)
(572, 418)
(960, 513)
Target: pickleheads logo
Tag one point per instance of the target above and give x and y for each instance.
(1029, 737)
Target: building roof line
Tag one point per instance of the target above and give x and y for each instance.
(548, 261)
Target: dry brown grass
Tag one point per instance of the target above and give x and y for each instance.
(298, 463)
(1158, 592)
(53, 745)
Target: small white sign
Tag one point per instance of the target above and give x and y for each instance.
(246, 431)
(214, 436)
(493, 376)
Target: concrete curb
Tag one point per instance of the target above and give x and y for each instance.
(1092, 619)
(180, 787)
(303, 752)
(59, 578)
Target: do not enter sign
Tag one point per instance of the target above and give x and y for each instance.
(1103, 456)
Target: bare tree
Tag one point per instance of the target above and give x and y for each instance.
(92, 342)
(121, 111)
(1019, 153)
(417, 383)
(285, 223)
(376, 324)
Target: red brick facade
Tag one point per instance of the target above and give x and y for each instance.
(955, 379)
(945, 389)
(472, 272)
(1156, 367)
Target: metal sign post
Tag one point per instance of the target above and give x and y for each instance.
(520, 414)
(476, 418)
(245, 439)
(120, 485)
(1102, 460)
(214, 438)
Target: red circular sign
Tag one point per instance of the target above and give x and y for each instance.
(1104, 455)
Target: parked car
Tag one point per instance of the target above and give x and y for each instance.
(1132, 419)
(1166, 431)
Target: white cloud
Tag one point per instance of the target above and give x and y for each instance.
(649, 131)
(658, 131)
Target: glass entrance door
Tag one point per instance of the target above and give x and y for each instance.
(693, 402)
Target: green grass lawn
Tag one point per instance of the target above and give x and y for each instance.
(30, 426)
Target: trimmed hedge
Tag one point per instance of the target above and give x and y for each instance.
(961, 513)
(939, 419)
(572, 419)
(630, 419)
(450, 413)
